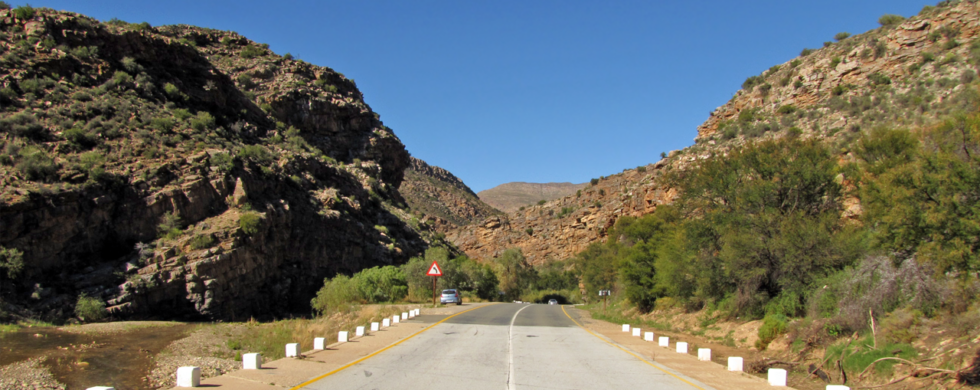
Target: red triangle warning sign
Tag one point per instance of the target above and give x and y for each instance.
(434, 270)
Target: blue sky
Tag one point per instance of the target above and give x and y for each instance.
(534, 91)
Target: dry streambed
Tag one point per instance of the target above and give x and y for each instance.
(146, 354)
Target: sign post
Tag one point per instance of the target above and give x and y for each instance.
(604, 294)
(434, 272)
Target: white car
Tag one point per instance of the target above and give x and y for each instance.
(552, 302)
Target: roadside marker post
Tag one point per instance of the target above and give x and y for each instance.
(319, 343)
(435, 272)
(735, 363)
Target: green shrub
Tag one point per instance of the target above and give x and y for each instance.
(806, 52)
(877, 78)
(751, 82)
(223, 161)
(337, 295)
(786, 109)
(12, 260)
(249, 222)
(256, 153)
(162, 124)
(773, 325)
(90, 309)
(798, 84)
(85, 52)
(171, 90)
(928, 57)
(250, 52)
(890, 19)
(203, 121)
(594, 181)
(834, 62)
(36, 164)
(4, 5)
(23, 124)
(24, 12)
(529, 231)
(202, 241)
(170, 226)
(841, 36)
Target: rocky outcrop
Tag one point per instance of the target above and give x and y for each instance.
(440, 198)
(280, 173)
(562, 227)
(898, 75)
(510, 197)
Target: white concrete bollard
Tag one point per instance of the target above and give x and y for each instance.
(359, 331)
(664, 341)
(636, 332)
(319, 343)
(292, 350)
(395, 318)
(404, 315)
(188, 377)
(375, 326)
(251, 361)
(418, 312)
(648, 336)
(734, 363)
(777, 377)
(681, 347)
(386, 322)
(343, 336)
(411, 314)
(704, 354)
(626, 327)
(837, 387)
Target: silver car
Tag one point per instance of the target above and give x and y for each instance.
(451, 296)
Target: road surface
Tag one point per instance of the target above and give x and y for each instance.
(506, 346)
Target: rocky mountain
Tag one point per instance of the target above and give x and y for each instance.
(437, 196)
(179, 171)
(510, 197)
(906, 73)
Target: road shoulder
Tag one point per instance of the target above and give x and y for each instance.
(714, 373)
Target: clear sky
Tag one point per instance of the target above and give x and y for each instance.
(531, 90)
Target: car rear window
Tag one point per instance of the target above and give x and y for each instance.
(448, 291)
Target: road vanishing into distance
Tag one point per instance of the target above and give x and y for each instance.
(506, 346)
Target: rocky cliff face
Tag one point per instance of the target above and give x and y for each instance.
(438, 197)
(562, 227)
(279, 172)
(903, 74)
(510, 197)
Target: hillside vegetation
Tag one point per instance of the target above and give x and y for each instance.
(184, 171)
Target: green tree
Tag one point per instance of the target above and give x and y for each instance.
(515, 273)
(381, 284)
(924, 197)
(338, 295)
(90, 309)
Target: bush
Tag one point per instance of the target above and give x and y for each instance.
(24, 12)
(806, 52)
(12, 260)
(890, 19)
(202, 241)
(85, 52)
(23, 124)
(4, 5)
(223, 161)
(202, 121)
(162, 124)
(256, 153)
(170, 226)
(36, 164)
(171, 90)
(841, 36)
(90, 309)
(877, 78)
(249, 222)
(834, 62)
(773, 325)
(751, 82)
(250, 52)
(336, 296)
(786, 109)
(594, 181)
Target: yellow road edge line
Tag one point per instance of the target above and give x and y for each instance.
(314, 380)
(627, 351)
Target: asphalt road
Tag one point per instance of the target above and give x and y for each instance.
(506, 346)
